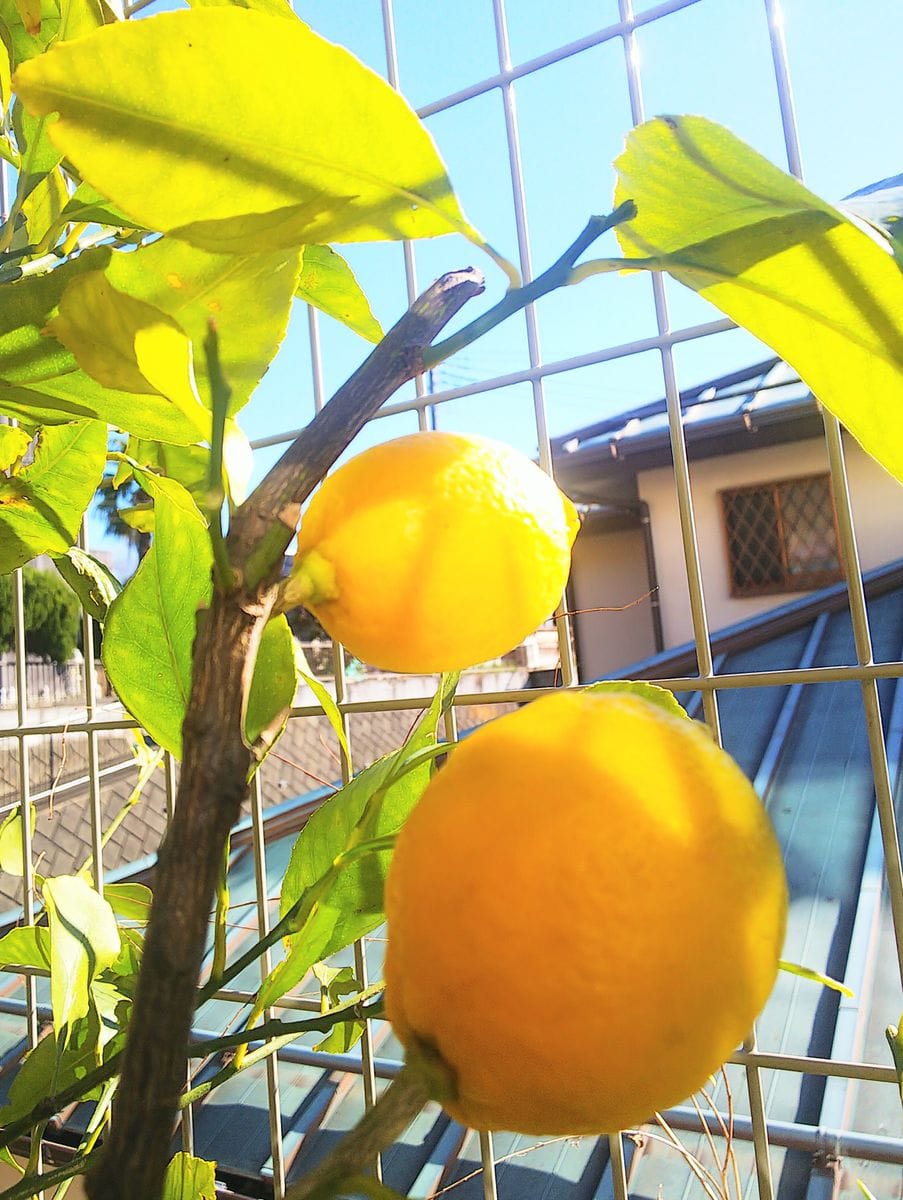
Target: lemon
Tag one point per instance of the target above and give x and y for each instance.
(433, 552)
(585, 914)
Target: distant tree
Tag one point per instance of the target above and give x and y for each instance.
(51, 613)
(108, 503)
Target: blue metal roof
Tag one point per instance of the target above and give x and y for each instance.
(805, 747)
(767, 390)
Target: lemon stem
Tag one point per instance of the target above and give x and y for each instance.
(380, 1127)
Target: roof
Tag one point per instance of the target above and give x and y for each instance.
(807, 751)
(760, 405)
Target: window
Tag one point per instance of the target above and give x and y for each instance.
(781, 537)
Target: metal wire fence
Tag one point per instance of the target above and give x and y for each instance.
(530, 390)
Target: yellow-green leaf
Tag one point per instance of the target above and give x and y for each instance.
(248, 295)
(84, 940)
(651, 692)
(128, 345)
(11, 840)
(44, 205)
(92, 581)
(150, 626)
(328, 283)
(41, 507)
(24, 44)
(13, 444)
(275, 8)
(30, 12)
(798, 273)
(189, 1178)
(173, 119)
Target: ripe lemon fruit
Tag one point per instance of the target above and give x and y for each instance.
(433, 552)
(585, 914)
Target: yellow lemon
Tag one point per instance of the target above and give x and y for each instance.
(433, 552)
(585, 913)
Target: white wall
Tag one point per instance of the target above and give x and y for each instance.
(877, 507)
(609, 571)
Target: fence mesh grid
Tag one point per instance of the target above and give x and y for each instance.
(530, 390)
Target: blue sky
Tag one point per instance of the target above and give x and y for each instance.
(712, 58)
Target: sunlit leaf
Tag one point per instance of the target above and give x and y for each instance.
(645, 691)
(273, 685)
(41, 507)
(40, 381)
(249, 295)
(825, 294)
(44, 205)
(345, 903)
(189, 1178)
(347, 159)
(814, 976)
(50, 1068)
(78, 17)
(894, 1035)
(87, 204)
(275, 8)
(23, 44)
(92, 581)
(30, 12)
(128, 345)
(328, 283)
(11, 860)
(150, 627)
(238, 461)
(13, 444)
(27, 946)
(37, 153)
(5, 77)
(336, 985)
(326, 702)
(84, 940)
(131, 901)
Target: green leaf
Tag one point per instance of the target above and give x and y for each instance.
(84, 940)
(41, 507)
(329, 706)
(894, 1035)
(13, 444)
(27, 946)
(87, 204)
(51, 1068)
(336, 985)
(40, 382)
(11, 840)
(275, 8)
(825, 294)
(92, 581)
(273, 685)
(130, 901)
(150, 626)
(814, 976)
(345, 901)
(347, 159)
(866, 1190)
(128, 345)
(44, 205)
(249, 295)
(645, 691)
(24, 45)
(328, 283)
(189, 1178)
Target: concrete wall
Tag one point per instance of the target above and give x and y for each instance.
(609, 571)
(877, 507)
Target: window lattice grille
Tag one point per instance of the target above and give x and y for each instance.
(781, 537)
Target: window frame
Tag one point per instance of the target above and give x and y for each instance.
(791, 582)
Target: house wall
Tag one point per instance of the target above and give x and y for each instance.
(609, 571)
(877, 509)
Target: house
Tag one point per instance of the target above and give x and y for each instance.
(763, 511)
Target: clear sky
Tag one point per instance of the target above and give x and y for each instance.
(711, 58)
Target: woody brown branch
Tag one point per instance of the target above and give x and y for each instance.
(216, 760)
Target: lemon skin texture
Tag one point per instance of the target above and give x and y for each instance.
(585, 912)
(433, 552)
